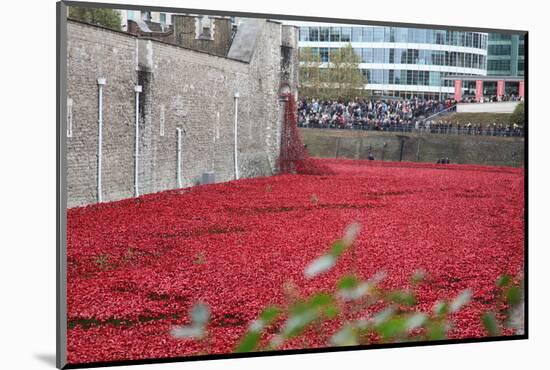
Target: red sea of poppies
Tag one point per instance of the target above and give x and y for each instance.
(136, 266)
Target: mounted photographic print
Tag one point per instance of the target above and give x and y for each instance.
(236, 184)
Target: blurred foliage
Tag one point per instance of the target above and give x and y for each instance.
(109, 18)
(510, 308)
(393, 317)
(518, 116)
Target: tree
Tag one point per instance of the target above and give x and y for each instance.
(109, 18)
(310, 73)
(345, 78)
(518, 116)
(340, 78)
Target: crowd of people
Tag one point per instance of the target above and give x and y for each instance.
(409, 115)
(491, 99)
(388, 115)
(469, 128)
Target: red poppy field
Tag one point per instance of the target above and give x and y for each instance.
(136, 267)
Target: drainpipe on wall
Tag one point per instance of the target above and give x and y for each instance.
(100, 83)
(137, 90)
(178, 165)
(235, 136)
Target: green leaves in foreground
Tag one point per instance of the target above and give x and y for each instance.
(490, 324)
(199, 314)
(328, 260)
(512, 308)
(403, 297)
(252, 337)
(396, 318)
(306, 312)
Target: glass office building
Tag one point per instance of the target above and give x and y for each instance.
(404, 62)
(506, 55)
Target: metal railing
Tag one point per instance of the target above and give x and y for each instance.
(424, 130)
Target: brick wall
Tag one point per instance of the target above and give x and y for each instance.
(182, 88)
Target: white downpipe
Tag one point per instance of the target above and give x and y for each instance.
(178, 165)
(100, 83)
(235, 134)
(137, 90)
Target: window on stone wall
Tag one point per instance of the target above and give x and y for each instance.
(69, 117)
(162, 120)
(205, 28)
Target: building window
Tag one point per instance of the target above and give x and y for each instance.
(435, 78)
(460, 59)
(387, 34)
(378, 55)
(163, 19)
(391, 58)
(368, 34)
(397, 56)
(440, 37)
(499, 65)
(205, 28)
(314, 34)
(335, 34)
(400, 34)
(323, 52)
(377, 76)
(469, 39)
(521, 67)
(468, 60)
(420, 36)
(378, 34)
(304, 34)
(367, 55)
(500, 37)
(521, 49)
(324, 34)
(346, 34)
(430, 39)
(356, 34)
(475, 61)
(500, 50)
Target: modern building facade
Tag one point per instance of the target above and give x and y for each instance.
(505, 71)
(506, 55)
(403, 62)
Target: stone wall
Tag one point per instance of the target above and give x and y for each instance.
(355, 144)
(501, 107)
(187, 33)
(182, 88)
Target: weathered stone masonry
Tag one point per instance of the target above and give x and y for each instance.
(182, 88)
